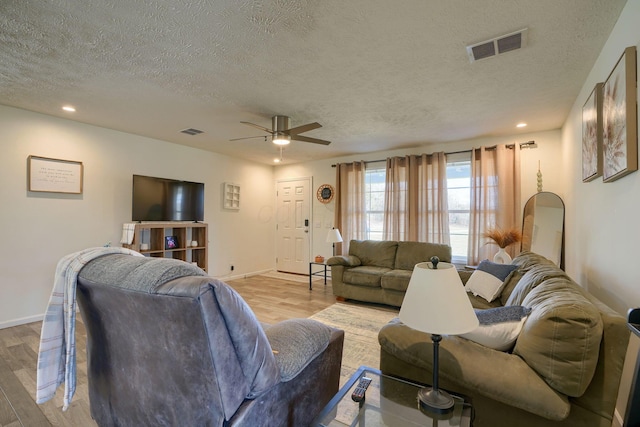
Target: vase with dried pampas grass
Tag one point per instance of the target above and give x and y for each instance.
(503, 238)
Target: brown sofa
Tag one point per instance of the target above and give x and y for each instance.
(565, 367)
(379, 271)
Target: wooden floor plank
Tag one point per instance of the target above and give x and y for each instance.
(7, 415)
(26, 410)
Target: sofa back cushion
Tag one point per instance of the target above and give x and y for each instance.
(411, 253)
(561, 337)
(374, 253)
(525, 261)
(531, 278)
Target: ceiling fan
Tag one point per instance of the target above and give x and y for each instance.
(282, 134)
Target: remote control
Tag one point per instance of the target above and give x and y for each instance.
(358, 393)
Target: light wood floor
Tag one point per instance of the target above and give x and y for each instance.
(271, 299)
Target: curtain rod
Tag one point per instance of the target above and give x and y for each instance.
(528, 144)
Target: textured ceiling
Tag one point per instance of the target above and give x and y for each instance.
(377, 74)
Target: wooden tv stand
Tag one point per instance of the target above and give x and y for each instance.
(154, 234)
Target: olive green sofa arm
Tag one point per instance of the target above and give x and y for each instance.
(345, 260)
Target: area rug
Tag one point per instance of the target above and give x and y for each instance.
(360, 324)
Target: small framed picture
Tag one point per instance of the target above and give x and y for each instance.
(170, 242)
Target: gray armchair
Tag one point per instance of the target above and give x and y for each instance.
(168, 345)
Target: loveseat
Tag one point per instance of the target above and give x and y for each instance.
(379, 271)
(565, 366)
(168, 345)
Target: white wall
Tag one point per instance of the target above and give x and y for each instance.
(603, 231)
(39, 228)
(548, 154)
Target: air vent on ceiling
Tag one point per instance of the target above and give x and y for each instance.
(192, 131)
(497, 45)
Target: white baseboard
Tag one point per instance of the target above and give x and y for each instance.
(242, 276)
(617, 419)
(21, 321)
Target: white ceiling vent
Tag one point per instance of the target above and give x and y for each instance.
(192, 131)
(498, 45)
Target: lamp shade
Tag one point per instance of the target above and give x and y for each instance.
(436, 302)
(334, 236)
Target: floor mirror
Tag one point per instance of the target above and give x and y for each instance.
(543, 226)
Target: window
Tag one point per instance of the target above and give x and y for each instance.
(459, 199)
(374, 186)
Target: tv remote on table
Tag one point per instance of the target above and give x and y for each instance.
(358, 393)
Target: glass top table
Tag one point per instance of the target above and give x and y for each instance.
(388, 401)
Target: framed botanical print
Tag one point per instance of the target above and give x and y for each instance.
(619, 119)
(592, 135)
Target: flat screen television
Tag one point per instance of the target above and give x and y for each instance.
(162, 199)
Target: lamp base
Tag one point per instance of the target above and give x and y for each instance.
(438, 401)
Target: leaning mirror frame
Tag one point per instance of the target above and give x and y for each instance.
(543, 226)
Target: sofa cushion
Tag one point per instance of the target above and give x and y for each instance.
(374, 253)
(509, 285)
(488, 279)
(411, 253)
(561, 337)
(479, 302)
(365, 275)
(499, 327)
(525, 261)
(533, 277)
(398, 280)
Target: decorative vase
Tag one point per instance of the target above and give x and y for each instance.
(502, 257)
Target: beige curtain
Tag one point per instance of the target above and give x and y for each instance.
(416, 206)
(495, 198)
(349, 216)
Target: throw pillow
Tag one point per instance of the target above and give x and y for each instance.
(499, 327)
(489, 279)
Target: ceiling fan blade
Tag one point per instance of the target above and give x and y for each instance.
(249, 137)
(307, 139)
(257, 126)
(303, 128)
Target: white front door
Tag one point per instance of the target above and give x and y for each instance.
(293, 225)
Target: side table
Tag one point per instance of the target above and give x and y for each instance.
(389, 402)
(317, 273)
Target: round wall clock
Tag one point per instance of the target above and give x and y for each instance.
(325, 193)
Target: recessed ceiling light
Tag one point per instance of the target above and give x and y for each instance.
(521, 125)
(276, 160)
(69, 109)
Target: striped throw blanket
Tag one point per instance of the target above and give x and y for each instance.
(57, 354)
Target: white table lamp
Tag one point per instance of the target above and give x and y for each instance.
(436, 303)
(334, 237)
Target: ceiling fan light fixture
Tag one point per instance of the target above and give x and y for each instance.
(281, 139)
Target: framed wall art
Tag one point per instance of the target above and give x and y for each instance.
(54, 175)
(619, 119)
(592, 135)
